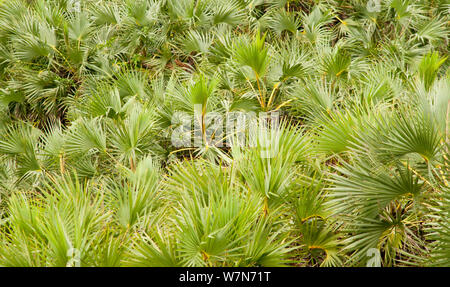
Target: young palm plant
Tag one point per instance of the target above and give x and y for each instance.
(224, 133)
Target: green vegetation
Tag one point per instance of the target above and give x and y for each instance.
(92, 93)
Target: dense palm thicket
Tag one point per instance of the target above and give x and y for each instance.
(90, 93)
